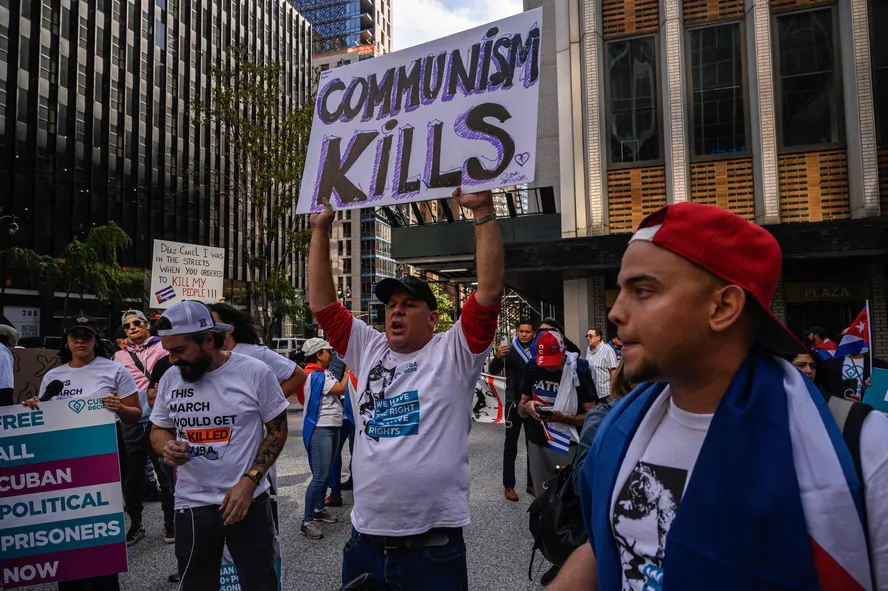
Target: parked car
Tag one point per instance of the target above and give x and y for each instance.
(287, 346)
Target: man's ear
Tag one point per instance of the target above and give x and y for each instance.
(729, 302)
(434, 317)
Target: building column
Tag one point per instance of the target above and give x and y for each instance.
(584, 307)
(778, 304)
(879, 307)
(599, 305)
(595, 136)
(860, 120)
(675, 116)
(763, 124)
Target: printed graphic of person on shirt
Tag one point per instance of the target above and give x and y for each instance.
(415, 396)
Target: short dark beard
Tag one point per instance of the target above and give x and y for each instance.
(647, 372)
(196, 369)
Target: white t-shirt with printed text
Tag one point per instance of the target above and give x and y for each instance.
(280, 366)
(222, 416)
(330, 412)
(101, 377)
(645, 506)
(413, 413)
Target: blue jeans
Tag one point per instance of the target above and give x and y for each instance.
(346, 434)
(321, 449)
(441, 568)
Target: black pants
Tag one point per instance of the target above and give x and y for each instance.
(103, 583)
(200, 536)
(510, 449)
(137, 443)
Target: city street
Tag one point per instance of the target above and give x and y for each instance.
(498, 540)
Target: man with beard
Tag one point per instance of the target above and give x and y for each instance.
(221, 418)
(139, 356)
(411, 454)
(726, 470)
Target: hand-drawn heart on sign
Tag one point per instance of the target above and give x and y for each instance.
(522, 158)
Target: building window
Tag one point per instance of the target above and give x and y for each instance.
(160, 34)
(632, 91)
(808, 79)
(717, 97)
(879, 48)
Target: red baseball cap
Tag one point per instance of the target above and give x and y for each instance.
(729, 247)
(549, 349)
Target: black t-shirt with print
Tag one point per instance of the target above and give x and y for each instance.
(541, 384)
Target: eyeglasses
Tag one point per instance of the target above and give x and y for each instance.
(134, 323)
(590, 335)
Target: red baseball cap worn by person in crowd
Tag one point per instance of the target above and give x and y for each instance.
(549, 349)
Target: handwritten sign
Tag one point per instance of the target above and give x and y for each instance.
(186, 272)
(61, 505)
(414, 124)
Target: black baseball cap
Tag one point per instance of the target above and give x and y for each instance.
(412, 285)
(81, 322)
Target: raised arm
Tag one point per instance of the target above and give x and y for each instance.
(488, 247)
(321, 289)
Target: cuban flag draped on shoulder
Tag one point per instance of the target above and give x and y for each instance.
(857, 339)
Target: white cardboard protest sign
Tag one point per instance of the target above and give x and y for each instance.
(414, 124)
(186, 272)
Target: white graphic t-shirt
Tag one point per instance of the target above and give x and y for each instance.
(101, 377)
(645, 506)
(280, 366)
(647, 503)
(222, 416)
(413, 413)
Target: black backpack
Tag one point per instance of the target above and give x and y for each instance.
(556, 520)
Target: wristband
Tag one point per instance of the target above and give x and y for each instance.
(255, 476)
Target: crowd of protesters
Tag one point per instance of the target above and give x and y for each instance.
(707, 446)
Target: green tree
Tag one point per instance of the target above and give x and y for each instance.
(266, 131)
(87, 266)
(445, 308)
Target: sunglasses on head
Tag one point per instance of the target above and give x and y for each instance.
(134, 323)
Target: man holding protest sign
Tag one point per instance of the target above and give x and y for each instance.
(416, 391)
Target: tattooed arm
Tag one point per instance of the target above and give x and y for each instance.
(238, 500)
(275, 438)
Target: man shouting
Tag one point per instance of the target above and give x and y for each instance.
(221, 417)
(415, 395)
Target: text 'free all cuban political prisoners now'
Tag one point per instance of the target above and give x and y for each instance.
(61, 505)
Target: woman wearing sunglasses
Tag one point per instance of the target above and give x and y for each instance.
(86, 372)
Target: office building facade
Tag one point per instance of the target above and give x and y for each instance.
(96, 120)
(775, 110)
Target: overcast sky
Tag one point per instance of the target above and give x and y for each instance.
(418, 21)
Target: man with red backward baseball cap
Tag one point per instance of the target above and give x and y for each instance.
(724, 469)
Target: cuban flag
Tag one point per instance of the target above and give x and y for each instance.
(857, 339)
(165, 294)
(557, 440)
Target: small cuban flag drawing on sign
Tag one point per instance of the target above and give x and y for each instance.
(165, 294)
(857, 337)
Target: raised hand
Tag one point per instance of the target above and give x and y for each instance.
(322, 219)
